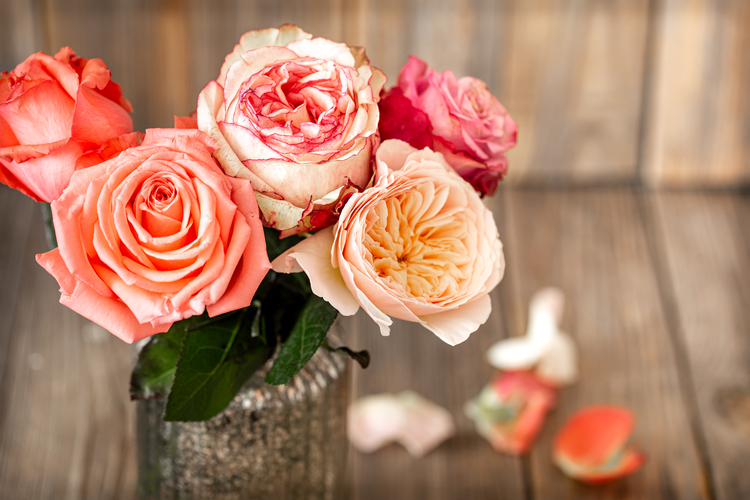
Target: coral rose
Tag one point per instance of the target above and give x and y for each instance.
(419, 245)
(457, 117)
(156, 235)
(298, 117)
(53, 110)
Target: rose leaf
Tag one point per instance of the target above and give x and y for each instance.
(215, 361)
(308, 333)
(154, 372)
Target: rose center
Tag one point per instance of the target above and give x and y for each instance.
(418, 243)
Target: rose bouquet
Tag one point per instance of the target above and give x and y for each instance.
(298, 190)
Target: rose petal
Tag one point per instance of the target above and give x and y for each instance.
(590, 445)
(42, 115)
(408, 418)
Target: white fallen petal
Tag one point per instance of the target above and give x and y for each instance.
(559, 365)
(427, 424)
(375, 421)
(516, 353)
(407, 418)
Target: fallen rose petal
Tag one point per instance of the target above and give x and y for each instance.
(590, 447)
(510, 411)
(407, 418)
(544, 346)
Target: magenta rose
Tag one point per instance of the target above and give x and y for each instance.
(297, 116)
(57, 115)
(155, 235)
(457, 117)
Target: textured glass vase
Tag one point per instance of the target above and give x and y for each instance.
(271, 442)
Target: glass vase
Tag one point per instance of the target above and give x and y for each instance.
(271, 442)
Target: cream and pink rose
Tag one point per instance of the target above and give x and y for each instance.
(419, 246)
(155, 235)
(298, 116)
(457, 117)
(59, 114)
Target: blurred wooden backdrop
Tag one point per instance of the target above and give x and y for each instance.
(652, 92)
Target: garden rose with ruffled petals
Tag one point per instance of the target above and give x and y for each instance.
(298, 117)
(457, 117)
(53, 111)
(419, 246)
(155, 235)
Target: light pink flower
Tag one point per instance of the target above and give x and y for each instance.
(56, 114)
(297, 116)
(156, 235)
(466, 122)
(419, 246)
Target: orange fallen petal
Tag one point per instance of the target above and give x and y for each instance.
(590, 446)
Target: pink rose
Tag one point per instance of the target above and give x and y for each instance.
(419, 246)
(298, 117)
(459, 118)
(156, 235)
(53, 110)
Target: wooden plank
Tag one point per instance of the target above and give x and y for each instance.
(593, 245)
(573, 82)
(707, 254)
(412, 358)
(20, 32)
(66, 423)
(699, 116)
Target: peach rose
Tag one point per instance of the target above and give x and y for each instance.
(298, 117)
(457, 117)
(156, 235)
(419, 246)
(53, 110)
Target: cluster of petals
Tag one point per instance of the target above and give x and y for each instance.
(551, 353)
(418, 245)
(155, 235)
(510, 411)
(457, 117)
(297, 116)
(591, 445)
(406, 418)
(57, 115)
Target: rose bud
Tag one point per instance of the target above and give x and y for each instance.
(457, 117)
(298, 117)
(57, 115)
(155, 235)
(419, 246)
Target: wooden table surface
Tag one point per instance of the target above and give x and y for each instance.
(658, 293)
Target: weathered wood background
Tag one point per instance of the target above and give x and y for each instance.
(611, 97)
(604, 92)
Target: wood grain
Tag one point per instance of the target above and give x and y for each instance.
(65, 419)
(573, 82)
(707, 254)
(699, 113)
(593, 245)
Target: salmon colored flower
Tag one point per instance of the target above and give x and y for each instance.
(459, 118)
(298, 116)
(57, 115)
(155, 235)
(419, 246)
(590, 447)
(510, 411)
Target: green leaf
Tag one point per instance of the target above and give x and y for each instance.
(362, 357)
(216, 360)
(306, 336)
(153, 373)
(275, 246)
